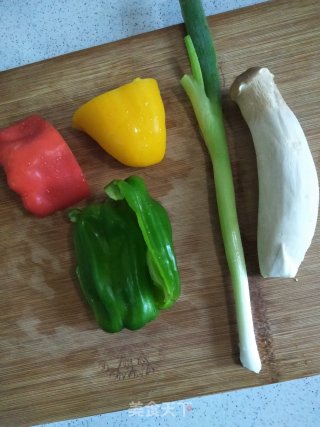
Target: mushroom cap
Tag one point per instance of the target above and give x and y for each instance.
(245, 79)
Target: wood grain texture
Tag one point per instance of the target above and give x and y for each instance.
(55, 364)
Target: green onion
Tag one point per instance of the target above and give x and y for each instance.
(203, 90)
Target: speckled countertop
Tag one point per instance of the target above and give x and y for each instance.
(33, 30)
(289, 404)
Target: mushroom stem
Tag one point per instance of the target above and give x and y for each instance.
(288, 181)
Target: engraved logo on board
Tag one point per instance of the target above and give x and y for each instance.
(130, 367)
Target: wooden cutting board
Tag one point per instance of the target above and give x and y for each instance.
(55, 364)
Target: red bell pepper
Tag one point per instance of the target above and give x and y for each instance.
(40, 166)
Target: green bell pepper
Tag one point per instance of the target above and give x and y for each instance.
(126, 263)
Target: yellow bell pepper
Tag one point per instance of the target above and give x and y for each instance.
(128, 122)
